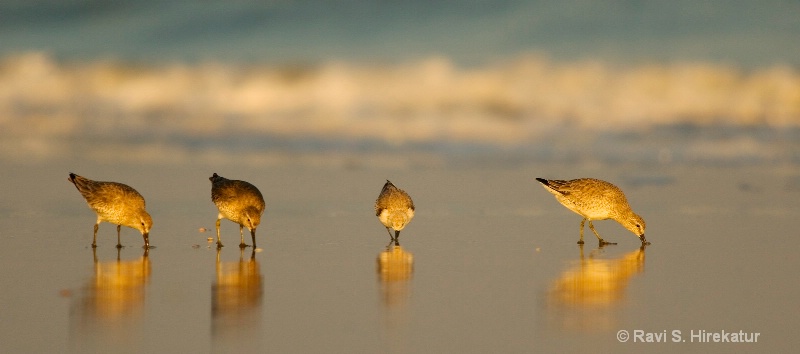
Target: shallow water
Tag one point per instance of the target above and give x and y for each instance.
(488, 264)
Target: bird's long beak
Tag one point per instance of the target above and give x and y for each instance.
(146, 237)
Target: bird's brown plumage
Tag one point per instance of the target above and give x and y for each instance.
(394, 208)
(237, 201)
(595, 199)
(116, 203)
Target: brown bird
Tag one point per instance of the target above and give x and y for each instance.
(594, 199)
(394, 208)
(237, 201)
(115, 203)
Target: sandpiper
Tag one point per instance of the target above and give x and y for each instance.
(594, 199)
(394, 208)
(115, 203)
(237, 201)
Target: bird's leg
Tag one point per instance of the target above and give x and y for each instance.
(119, 244)
(396, 236)
(580, 242)
(253, 235)
(241, 236)
(219, 242)
(94, 239)
(390, 233)
(602, 242)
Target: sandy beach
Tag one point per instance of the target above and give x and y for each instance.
(493, 262)
(691, 108)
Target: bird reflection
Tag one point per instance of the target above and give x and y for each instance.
(394, 267)
(110, 310)
(236, 297)
(585, 296)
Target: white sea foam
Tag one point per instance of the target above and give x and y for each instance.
(47, 105)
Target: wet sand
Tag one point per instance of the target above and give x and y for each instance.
(489, 263)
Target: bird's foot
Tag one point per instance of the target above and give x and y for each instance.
(580, 242)
(94, 245)
(243, 245)
(219, 245)
(119, 246)
(604, 243)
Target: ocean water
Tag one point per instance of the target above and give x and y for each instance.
(269, 82)
(526, 108)
(739, 32)
(692, 108)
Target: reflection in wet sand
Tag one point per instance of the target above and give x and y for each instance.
(236, 301)
(395, 266)
(107, 317)
(586, 296)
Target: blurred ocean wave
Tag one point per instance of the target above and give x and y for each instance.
(529, 104)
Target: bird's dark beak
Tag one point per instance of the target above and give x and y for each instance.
(253, 235)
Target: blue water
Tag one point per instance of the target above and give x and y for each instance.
(741, 32)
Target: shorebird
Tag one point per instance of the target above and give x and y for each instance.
(394, 208)
(115, 203)
(594, 199)
(237, 201)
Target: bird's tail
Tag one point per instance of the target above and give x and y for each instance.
(216, 178)
(553, 185)
(83, 184)
(387, 185)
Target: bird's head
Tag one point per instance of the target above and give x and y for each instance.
(399, 219)
(634, 223)
(144, 223)
(252, 218)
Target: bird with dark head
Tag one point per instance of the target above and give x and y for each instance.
(237, 201)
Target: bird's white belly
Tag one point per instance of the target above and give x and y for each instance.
(384, 218)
